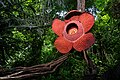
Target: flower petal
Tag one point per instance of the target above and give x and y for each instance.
(73, 18)
(58, 26)
(76, 18)
(63, 45)
(84, 42)
(87, 21)
(72, 13)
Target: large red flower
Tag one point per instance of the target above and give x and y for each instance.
(73, 32)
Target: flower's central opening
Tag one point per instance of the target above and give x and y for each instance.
(72, 29)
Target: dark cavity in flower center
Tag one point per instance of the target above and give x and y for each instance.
(72, 29)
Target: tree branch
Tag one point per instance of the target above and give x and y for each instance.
(24, 72)
(91, 72)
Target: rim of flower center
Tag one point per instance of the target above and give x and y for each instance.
(73, 30)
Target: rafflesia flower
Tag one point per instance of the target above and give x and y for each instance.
(73, 31)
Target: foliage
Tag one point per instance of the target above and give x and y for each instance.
(26, 37)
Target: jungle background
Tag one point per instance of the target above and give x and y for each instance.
(26, 37)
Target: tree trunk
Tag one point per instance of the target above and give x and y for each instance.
(81, 5)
